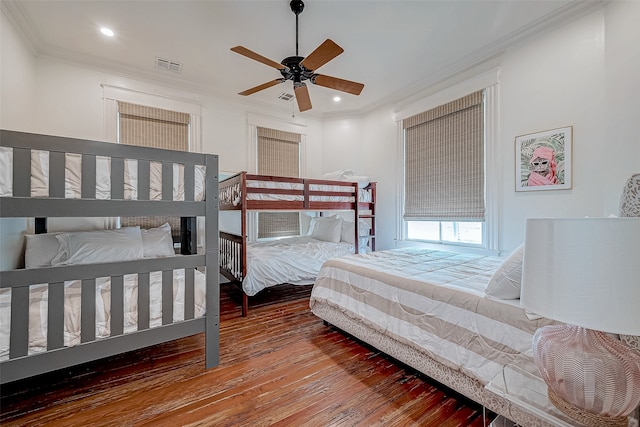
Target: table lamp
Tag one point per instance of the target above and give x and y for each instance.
(585, 273)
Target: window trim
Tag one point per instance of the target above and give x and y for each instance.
(490, 81)
(254, 121)
(113, 94)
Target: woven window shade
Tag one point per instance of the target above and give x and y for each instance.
(444, 162)
(153, 127)
(278, 155)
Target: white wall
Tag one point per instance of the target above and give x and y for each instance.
(368, 146)
(622, 99)
(554, 81)
(17, 111)
(69, 103)
(584, 75)
(17, 79)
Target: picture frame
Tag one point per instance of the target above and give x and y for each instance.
(543, 160)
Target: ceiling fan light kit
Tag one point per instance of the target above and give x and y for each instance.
(300, 69)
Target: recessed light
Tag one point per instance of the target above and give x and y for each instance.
(107, 31)
(337, 99)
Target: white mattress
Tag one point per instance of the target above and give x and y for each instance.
(38, 300)
(432, 301)
(363, 194)
(294, 260)
(73, 177)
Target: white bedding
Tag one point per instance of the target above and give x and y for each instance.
(73, 177)
(294, 260)
(363, 194)
(432, 301)
(38, 300)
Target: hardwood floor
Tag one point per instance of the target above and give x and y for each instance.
(279, 366)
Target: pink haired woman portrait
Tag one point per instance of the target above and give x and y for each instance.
(543, 167)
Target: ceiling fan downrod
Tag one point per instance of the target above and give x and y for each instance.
(297, 6)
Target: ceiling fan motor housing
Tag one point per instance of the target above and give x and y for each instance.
(294, 70)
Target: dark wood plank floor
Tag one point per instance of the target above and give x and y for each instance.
(279, 366)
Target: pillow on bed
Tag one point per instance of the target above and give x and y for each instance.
(157, 242)
(88, 247)
(348, 232)
(40, 250)
(505, 282)
(328, 229)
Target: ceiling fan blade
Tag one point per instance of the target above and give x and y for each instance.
(257, 57)
(342, 85)
(323, 54)
(261, 87)
(302, 96)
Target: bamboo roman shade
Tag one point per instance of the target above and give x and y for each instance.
(278, 154)
(153, 127)
(444, 162)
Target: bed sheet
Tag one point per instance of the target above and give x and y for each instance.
(294, 260)
(432, 301)
(73, 177)
(38, 300)
(364, 195)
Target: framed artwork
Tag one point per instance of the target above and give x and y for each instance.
(543, 160)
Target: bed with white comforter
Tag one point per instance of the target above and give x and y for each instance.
(430, 310)
(293, 260)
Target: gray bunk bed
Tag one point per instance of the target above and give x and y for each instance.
(21, 362)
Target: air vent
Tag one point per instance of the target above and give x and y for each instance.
(165, 64)
(286, 96)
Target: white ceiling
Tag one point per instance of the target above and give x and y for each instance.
(395, 48)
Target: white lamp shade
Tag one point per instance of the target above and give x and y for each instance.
(584, 272)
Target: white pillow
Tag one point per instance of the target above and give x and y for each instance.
(157, 242)
(328, 229)
(348, 232)
(505, 282)
(6, 172)
(88, 247)
(40, 250)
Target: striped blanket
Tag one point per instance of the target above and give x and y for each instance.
(432, 301)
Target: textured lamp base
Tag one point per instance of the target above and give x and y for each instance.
(584, 417)
(592, 377)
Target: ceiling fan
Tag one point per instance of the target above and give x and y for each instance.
(299, 68)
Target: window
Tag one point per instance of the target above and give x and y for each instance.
(152, 127)
(444, 173)
(115, 98)
(279, 155)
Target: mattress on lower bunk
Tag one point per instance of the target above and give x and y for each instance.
(294, 260)
(38, 307)
(73, 177)
(432, 301)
